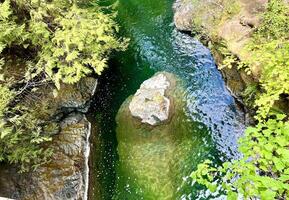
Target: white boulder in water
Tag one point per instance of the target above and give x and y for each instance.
(150, 103)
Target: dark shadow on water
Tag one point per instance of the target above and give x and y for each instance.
(114, 86)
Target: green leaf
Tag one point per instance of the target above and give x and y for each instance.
(268, 195)
(232, 195)
(5, 10)
(72, 56)
(4, 132)
(278, 164)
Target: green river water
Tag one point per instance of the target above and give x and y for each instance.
(212, 120)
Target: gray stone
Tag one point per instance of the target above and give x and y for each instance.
(150, 103)
(183, 14)
(77, 97)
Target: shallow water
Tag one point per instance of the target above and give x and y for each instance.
(155, 45)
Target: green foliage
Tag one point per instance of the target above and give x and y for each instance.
(262, 172)
(274, 58)
(5, 97)
(227, 58)
(10, 32)
(82, 40)
(20, 134)
(275, 24)
(59, 42)
(70, 40)
(229, 61)
(250, 94)
(270, 50)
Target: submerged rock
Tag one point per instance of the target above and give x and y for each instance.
(150, 103)
(154, 159)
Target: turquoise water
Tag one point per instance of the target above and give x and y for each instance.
(156, 46)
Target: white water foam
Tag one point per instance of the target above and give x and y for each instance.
(86, 157)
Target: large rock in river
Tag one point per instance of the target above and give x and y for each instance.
(150, 103)
(155, 146)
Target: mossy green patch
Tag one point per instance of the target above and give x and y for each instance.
(154, 159)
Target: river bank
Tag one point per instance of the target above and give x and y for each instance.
(228, 27)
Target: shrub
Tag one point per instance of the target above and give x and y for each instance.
(262, 172)
(59, 42)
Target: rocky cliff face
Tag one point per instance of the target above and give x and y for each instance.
(223, 22)
(65, 176)
(183, 15)
(231, 21)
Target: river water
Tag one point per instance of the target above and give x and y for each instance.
(155, 45)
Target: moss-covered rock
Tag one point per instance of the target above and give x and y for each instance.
(154, 159)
